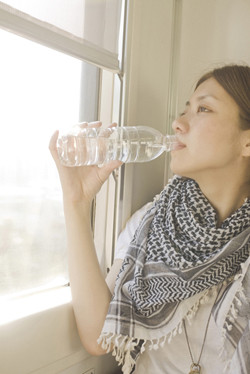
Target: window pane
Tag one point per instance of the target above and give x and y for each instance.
(39, 93)
(97, 21)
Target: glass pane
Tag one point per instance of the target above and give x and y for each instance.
(97, 21)
(65, 14)
(39, 93)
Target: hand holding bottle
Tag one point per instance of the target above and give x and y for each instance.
(81, 183)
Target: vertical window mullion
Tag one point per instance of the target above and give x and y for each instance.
(89, 92)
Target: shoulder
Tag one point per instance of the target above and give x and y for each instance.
(128, 232)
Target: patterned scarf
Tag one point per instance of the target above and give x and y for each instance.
(177, 253)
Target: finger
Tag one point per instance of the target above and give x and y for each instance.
(52, 143)
(113, 124)
(53, 148)
(95, 124)
(82, 124)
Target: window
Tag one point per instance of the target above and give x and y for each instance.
(39, 93)
(45, 87)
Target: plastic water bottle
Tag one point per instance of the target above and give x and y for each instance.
(98, 146)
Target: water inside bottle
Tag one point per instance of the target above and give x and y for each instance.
(76, 151)
(143, 151)
(91, 146)
(132, 151)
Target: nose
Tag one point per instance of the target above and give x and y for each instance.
(180, 125)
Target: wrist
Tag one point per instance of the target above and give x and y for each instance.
(83, 205)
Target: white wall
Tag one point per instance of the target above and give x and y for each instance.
(213, 33)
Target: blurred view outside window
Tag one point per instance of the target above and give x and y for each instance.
(39, 93)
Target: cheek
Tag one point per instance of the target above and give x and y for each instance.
(208, 138)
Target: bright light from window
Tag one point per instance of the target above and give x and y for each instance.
(39, 93)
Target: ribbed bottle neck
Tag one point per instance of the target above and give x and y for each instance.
(169, 142)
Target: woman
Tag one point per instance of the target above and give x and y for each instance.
(189, 258)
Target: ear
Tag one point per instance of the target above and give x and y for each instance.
(246, 143)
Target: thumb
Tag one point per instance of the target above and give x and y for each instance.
(106, 170)
(52, 146)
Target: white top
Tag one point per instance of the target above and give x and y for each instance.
(174, 357)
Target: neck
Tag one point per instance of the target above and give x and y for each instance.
(225, 194)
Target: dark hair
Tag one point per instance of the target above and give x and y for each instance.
(235, 79)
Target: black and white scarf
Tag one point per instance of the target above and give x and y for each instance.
(178, 253)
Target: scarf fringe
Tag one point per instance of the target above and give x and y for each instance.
(233, 312)
(122, 346)
(231, 317)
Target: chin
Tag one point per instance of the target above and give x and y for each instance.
(182, 172)
(177, 170)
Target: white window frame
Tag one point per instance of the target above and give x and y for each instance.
(41, 333)
(35, 30)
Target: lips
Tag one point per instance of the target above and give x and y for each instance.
(178, 146)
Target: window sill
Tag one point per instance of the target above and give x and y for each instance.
(39, 331)
(39, 336)
(21, 307)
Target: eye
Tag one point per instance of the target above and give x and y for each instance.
(203, 109)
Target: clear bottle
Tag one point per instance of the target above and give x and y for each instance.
(98, 146)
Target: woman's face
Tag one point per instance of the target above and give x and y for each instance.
(209, 133)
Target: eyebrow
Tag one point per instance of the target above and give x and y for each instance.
(199, 98)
